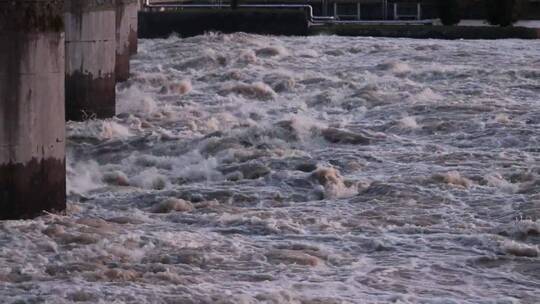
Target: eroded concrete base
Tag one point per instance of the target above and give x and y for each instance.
(26, 190)
(90, 96)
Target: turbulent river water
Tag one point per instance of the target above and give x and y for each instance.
(305, 170)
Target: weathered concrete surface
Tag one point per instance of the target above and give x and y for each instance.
(90, 58)
(32, 127)
(124, 27)
(134, 29)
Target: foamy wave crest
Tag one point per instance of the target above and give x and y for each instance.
(408, 122)
(135, 101)
(271, 51)
(97, 129)
(333, 183)
(520, 249)
(256, 90)
(396, 67)
(83, 177)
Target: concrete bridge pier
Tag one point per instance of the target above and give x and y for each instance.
(32, 127)
(134, 29)
(90, 59)
(125, 29)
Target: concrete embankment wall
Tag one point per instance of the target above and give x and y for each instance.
(90, 58)
(192, 23)
(32, 128)
(427, 31)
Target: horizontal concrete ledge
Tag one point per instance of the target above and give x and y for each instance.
(80, 6)
(427, 31)
(196, 22)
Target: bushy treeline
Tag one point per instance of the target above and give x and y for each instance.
(502, 12)
(449, 12)
(498, 12)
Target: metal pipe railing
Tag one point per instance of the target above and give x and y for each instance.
(307, 7)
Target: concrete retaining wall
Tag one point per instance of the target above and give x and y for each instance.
(425, 31)
(32, 128)
(90, 58)
(192, 23)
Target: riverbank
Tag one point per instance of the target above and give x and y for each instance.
(426, 31)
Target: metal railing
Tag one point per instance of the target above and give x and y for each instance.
(307, 7)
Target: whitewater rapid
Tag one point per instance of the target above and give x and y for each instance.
(302, 170)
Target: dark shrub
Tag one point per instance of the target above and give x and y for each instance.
(502, 12)
(449, 12)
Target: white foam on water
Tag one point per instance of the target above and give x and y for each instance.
(334, 184)
(502, 118)
(150, 179)
(134, 101)
(310, 53)
(261, 169)
(498, 181)
(97, 129)
(454, 178)
(257, 90)
(83, 177)
(408, 122)
(395, 67)
(520, 249)
(272, 50)
(425, 96)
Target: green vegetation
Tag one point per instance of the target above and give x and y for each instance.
(502, 12)
(449, 12)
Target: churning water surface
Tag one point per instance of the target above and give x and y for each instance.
(305, 170)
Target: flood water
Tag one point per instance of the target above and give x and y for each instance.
(302, 170)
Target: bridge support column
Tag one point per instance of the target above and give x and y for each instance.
(134, 28)
(125, 30)
(90, 59)
(32, 127)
